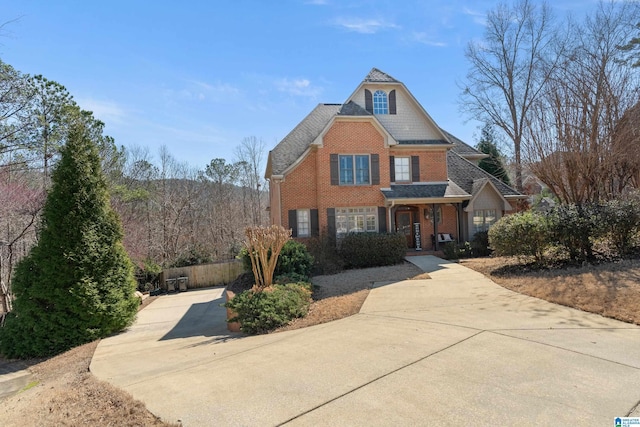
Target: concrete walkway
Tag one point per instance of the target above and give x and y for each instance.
(453, 350)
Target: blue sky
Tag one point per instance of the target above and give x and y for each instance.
(199, 76)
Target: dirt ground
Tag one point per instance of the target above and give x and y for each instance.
(62, 392)
(609, 289)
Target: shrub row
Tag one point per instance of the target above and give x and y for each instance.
(574, 230)
(361, 250)
(262, 311)
(294, 261)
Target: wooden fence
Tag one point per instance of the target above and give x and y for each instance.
(206, 275)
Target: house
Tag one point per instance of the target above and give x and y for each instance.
(380, 163)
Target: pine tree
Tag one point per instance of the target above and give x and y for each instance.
(493, 163)
(77, 284)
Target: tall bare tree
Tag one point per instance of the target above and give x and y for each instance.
(582, 133)
(509, 68)
(249, 158)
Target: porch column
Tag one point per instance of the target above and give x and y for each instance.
(434, 219)
(459, 222)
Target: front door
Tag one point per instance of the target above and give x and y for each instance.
(404, 225)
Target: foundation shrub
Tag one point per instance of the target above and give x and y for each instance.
(294, 261)
(523, 234)
(325, 253)
(480, 244)
(262, 311)
(362, 250)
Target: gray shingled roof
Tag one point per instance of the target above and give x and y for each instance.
(422, 142)
(378, 76)
(461, 147)
(423, 191)
(465, 174)
(353, 109)
(298, 140)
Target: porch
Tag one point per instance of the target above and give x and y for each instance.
(429, 226)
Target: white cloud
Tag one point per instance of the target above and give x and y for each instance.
(364, 25)
(107, 111)
(298, 87)
(424, 38)
(478, 17)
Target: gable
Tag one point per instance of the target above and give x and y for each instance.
(487, 196)
(410, 121)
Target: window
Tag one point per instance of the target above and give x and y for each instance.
(354, 170)
(402, 169)
(356, 220)
(380, 104)
(304, 223)
(483, 219)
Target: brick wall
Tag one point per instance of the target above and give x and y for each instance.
(308, 185)
(433, 164)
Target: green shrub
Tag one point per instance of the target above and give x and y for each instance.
(521, 234)
(283, 279)
(479, 246)
(325, 253)
(147, 274)
(361, 250)
(453, 250)
(621, 223)
(450, 250)
(574, 228)
(194, 256)
(294, 261)
(262, 311)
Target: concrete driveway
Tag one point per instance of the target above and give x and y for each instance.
(453, 350)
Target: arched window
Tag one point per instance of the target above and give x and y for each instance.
(380, 104)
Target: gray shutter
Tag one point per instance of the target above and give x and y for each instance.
(392, 168)
(382, 219)
(375, 169)
(293, 222)
(335, 169)
(315, 224)
(368, 101)
(331, 222)
(392, 102)
(415, 169)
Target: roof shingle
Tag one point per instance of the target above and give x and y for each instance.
(377, 76)
(465, 174)
(298, 140)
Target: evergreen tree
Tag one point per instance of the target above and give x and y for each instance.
(493, 163)
(77, 284)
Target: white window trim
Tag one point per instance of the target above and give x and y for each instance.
(366, 212)
(395, 159)
(484, 226)
(386, 102)
(308, 222)
(354, 170)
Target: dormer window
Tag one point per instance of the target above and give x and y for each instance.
(380, 103)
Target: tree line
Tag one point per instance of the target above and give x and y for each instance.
(564, 92)
(172, 213)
